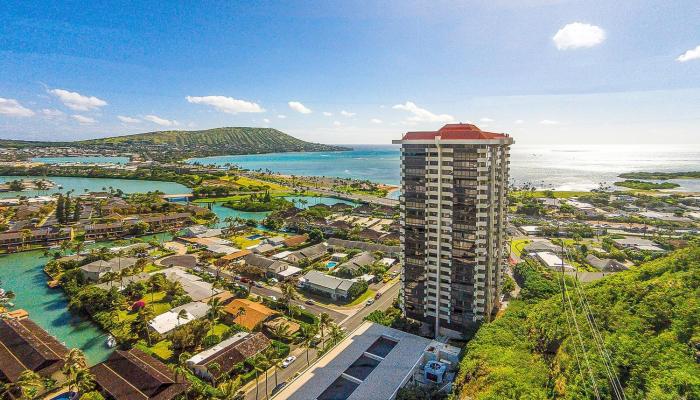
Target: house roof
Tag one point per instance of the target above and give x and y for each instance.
(255, 313)
(236, 255)
(455, 132)
(232, 351)
(311, 251)
(134, 375)
(292, 327)
(295, 240)
(328, 281)
(26, 346)
(115, 264)
(359, 261)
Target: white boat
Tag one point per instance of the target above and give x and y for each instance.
(111, 341)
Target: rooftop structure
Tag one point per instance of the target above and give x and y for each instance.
(251, 315)
(134, 375)
(168, 321)
(228, 353)
(374, 362)
(96, 270)
(331, 286)
(24, 345)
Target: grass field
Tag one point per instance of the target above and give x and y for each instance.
(369, 294)
(543, 193)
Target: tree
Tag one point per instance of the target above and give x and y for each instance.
(181, 369)
(260, 364)
(324, 321)
(336, 333)
(29, 384)
(307, 333)
(288, 294)
(231, 390)
(94, 395)
(216, 310)
(182, 314)
(274, 359)
(141, 324)
(77, 373)
(214, 369)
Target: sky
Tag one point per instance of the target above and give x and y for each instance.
(545, 71)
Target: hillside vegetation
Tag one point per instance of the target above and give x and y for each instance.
(648, 318)
(173, 145)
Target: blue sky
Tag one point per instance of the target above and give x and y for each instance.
(545, 71)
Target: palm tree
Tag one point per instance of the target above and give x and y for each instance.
(29, 383)
(336, 333)
(77, 373)
(288, 294)
(180, 370)
(143, 318)
(260, 364)
(231, 390)
(214, 369)
(324, 321)
(216, 309)
(308, 332)
(274, 359)
(182, 314)
(281, 331)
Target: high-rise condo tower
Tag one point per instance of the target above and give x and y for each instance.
(453, 214)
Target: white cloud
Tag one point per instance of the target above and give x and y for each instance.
(486, 119)
(375, 121)
(347, 113)
(519, 121)
(577, 34)
(692, 54)
(76, 101)
(327, 114)
(421, 114)
(12, 108)
(549, 122)
(336, 123)
(298, 107)
(83, 120)
(227, 104)
(51, 113)
(160, 121)
(265, 120)
(281, 116)
(128, 120)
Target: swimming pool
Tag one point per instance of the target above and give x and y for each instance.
(64, 396)
(253, 237)
(331, 264)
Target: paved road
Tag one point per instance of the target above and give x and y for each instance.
(350, 323)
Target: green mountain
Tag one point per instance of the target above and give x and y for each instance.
(648, 318)
(181, 144)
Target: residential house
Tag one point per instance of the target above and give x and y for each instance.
(272, 268)
(24, 345)
(606, 264)
(227, 354)
(341, 244)
(134, 375)
(247, 313)
(274, 324)
(358, 261)
(43, 237)
(637, 243)
(165, 323)
(311, 253)
(296, 240)
(96, 270)
(327, 285)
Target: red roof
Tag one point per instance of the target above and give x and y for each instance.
(455, 132)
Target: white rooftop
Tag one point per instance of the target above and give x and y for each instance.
(169, 320)
(291, 270)
(282, 255)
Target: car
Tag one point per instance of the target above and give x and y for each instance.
(257, 284)
(273, 281)
(369, 302)
(273, 298)
(288, 361)
(245, 280)
(302, 307)
(237, 278)
(310, 302)
(378, 295)
(279, 387)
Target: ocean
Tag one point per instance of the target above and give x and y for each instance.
(557, 167)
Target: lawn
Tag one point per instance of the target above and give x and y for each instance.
(158, 305)
(517, 245)
(243, 242)
(369, 294)
(218, 329)
(161, 350)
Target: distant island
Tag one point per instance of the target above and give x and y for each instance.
(644, 185)
(178, 145)
(661, 176)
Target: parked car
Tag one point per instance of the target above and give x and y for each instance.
(245, 280)
(378, 295)
(257, 284)
(369, 302)
(310, 302)
(279, 387)
(288, 361)
(273, 281)
(237, 278)
(273, 298)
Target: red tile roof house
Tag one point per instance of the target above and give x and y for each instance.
(134, 375)
(24, 345)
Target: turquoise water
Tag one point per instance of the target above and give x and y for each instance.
(82, 160)
(559, 167)
(376, 163)
(81, 185)
(23, 274)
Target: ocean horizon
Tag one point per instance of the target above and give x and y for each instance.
(556, 167)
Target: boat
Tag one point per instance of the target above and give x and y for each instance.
(111, 341)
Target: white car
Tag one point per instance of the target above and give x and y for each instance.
(370, 302)
(288, 361)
